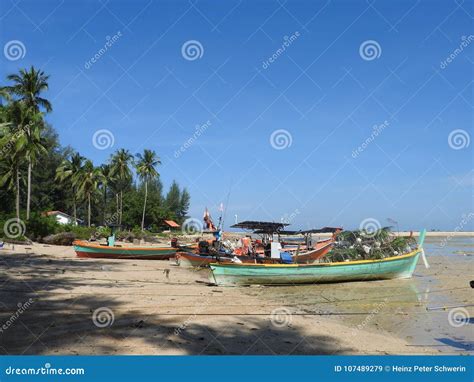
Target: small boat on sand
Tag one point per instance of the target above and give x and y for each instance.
(86, 249)
(281, 274)
(285, 274)
(112, 251)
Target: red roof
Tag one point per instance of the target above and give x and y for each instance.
(49, 213)
(172, 223)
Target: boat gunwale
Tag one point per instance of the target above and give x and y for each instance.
(339, 263)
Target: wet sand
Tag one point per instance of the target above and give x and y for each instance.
(48, 299)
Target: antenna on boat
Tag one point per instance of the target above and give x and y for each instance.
(226, 204)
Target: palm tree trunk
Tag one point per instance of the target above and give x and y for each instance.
(74, 212)
(89, 210)
(118, 209)
(28, 196)
(121, 206)
(105, 205)
(17, 192)
(144, 205)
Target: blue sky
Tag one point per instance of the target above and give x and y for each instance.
(319, 99)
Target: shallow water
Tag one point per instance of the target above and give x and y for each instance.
(400, 306)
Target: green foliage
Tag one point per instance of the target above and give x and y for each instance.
(82, 232)
(39, 226)
(64, 180)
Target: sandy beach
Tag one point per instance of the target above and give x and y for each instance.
(55, 303)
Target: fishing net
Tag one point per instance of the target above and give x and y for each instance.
(369, 245)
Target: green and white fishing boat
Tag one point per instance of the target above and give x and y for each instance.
(401, 266)
(113, 251)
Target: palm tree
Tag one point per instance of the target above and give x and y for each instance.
(31, 144)
(5, 94)
(120, 170)
(28, 86)
(146, 171)
(17, 116)
(10, 164)
(67, 172)
(87, 181)
(10, 177)
(106, 171)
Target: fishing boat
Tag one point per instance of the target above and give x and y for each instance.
(87, 249)
(112, 251)
(262, 252)
(189, 259)
(302, 247)
(283, 274)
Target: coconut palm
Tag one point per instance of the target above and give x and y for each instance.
(87, 181)
(67, 172)
(17, 115)
(146, 171)
(106, 172)
(30, 145)
(10, 164)
(5, 95)
(120, 170)
(28, 86)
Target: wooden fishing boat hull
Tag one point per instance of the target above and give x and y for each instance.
(85, 249)
(187, 259)
(286, 274)
(322, 248)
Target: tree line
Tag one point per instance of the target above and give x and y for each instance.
(37, 174)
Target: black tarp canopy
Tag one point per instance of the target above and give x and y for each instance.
(322, 230)
(261, 227)
(272, 227)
